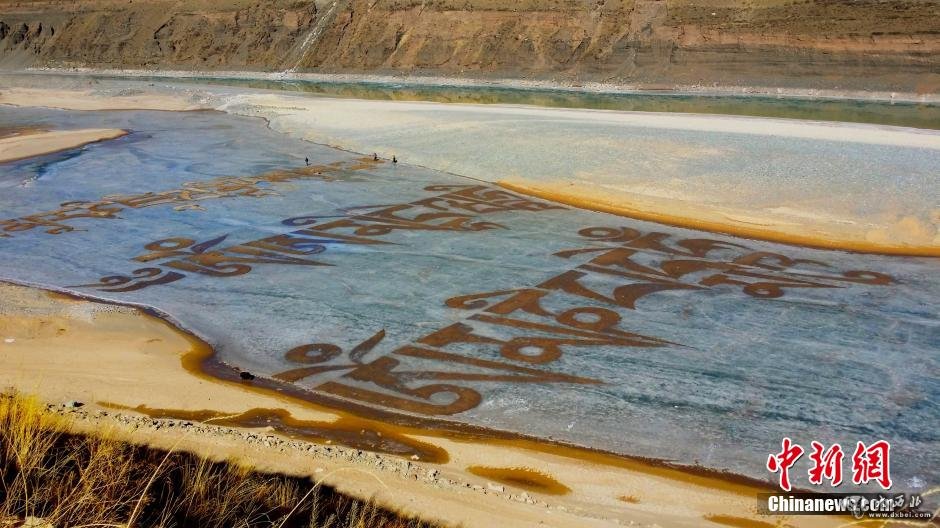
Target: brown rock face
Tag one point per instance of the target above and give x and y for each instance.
(849, 44)
(147, 33)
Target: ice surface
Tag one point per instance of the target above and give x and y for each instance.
(735, 370)
(862, 183)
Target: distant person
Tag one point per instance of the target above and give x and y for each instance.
(394, 159)
(307, 161)
(375, 157)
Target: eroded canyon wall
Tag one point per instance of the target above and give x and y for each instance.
(847, 44)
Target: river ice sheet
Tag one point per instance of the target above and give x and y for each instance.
(712, 370)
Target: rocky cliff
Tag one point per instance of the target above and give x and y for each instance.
(848, 44)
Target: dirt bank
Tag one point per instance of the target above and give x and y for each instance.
(891, 45)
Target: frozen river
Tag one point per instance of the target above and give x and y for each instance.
(431, 296)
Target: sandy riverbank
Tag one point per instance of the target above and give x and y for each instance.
(89, 100)
(117, 359)
(27, 144)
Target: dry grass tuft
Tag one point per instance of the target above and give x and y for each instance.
(81, 481)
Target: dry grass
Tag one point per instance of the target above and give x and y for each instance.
(74, 480)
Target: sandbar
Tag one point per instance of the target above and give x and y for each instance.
(94, 100)
(29, 144)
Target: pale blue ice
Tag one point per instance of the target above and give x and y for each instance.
(845, 364)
